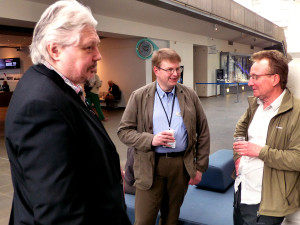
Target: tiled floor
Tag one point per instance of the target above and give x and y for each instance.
(222, 114)
(6, 189)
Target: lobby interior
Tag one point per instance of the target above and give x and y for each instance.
(178, 30)
(222, 114)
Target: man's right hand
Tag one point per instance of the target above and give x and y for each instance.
(163, 138)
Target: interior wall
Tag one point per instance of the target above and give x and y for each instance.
(22, 10)
(200, 69)
(119, 57)
(206, 64)
(121, 26)
(25, 63)
(121, 64)
(293, 34)
(213, 63)
(185, 50)
(150, 76)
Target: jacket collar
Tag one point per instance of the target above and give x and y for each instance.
(151, 96)
(52, 75)
(286, 104)
(152, 90)
(71, 94)
(181, 96)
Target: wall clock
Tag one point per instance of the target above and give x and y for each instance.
(145, 48)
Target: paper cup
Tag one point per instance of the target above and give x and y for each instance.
(173, 144)
(237, 139)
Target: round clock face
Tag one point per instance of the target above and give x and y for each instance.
(144, 49)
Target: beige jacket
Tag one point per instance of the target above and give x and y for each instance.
(281, 156)
(136, 130)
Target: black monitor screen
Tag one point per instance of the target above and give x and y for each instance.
(9, 63)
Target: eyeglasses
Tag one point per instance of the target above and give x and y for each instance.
(170, 71)
(256, 76)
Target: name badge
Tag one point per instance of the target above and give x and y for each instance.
(178, 113)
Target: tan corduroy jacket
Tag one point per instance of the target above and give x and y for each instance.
(136, 130)
(281, 156)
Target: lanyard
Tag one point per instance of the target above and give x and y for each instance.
(169, 121)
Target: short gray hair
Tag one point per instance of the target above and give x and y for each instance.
(61, 23)
(278, 64)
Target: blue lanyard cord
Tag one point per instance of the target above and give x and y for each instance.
(169, 121)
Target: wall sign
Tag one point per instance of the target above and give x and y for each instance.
(212, 49)
(145, 48)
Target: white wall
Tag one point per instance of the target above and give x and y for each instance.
(213, 63)
(120, 26)
(185, 50)
(21, 10)
(293, 30)
(149, 69)
(121, 64)
(200, 69)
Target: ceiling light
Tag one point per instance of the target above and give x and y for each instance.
(216, 27)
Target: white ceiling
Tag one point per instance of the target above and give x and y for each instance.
(134, 10)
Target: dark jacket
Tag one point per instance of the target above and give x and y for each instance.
(5, 87)
(65, 169)
(115, 91)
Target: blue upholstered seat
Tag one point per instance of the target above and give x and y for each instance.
(200, 207)
(218, 175)
(205, 206)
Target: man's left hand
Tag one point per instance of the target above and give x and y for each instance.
(196, 179)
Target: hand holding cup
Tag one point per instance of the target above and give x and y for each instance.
(237, 139)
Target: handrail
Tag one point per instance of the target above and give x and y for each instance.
(223, 83)
(227, 83)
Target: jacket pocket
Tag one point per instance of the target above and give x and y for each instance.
(143, 168)
(292, 184)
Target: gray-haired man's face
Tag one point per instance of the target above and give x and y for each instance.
(79, 63)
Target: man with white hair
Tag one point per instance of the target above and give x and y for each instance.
(65, 169)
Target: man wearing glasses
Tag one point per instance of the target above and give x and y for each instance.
(268, 162)
(165, 123)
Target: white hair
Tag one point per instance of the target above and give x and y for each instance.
(61, 23)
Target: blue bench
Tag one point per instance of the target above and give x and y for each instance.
(218, 175)
(210, 202)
